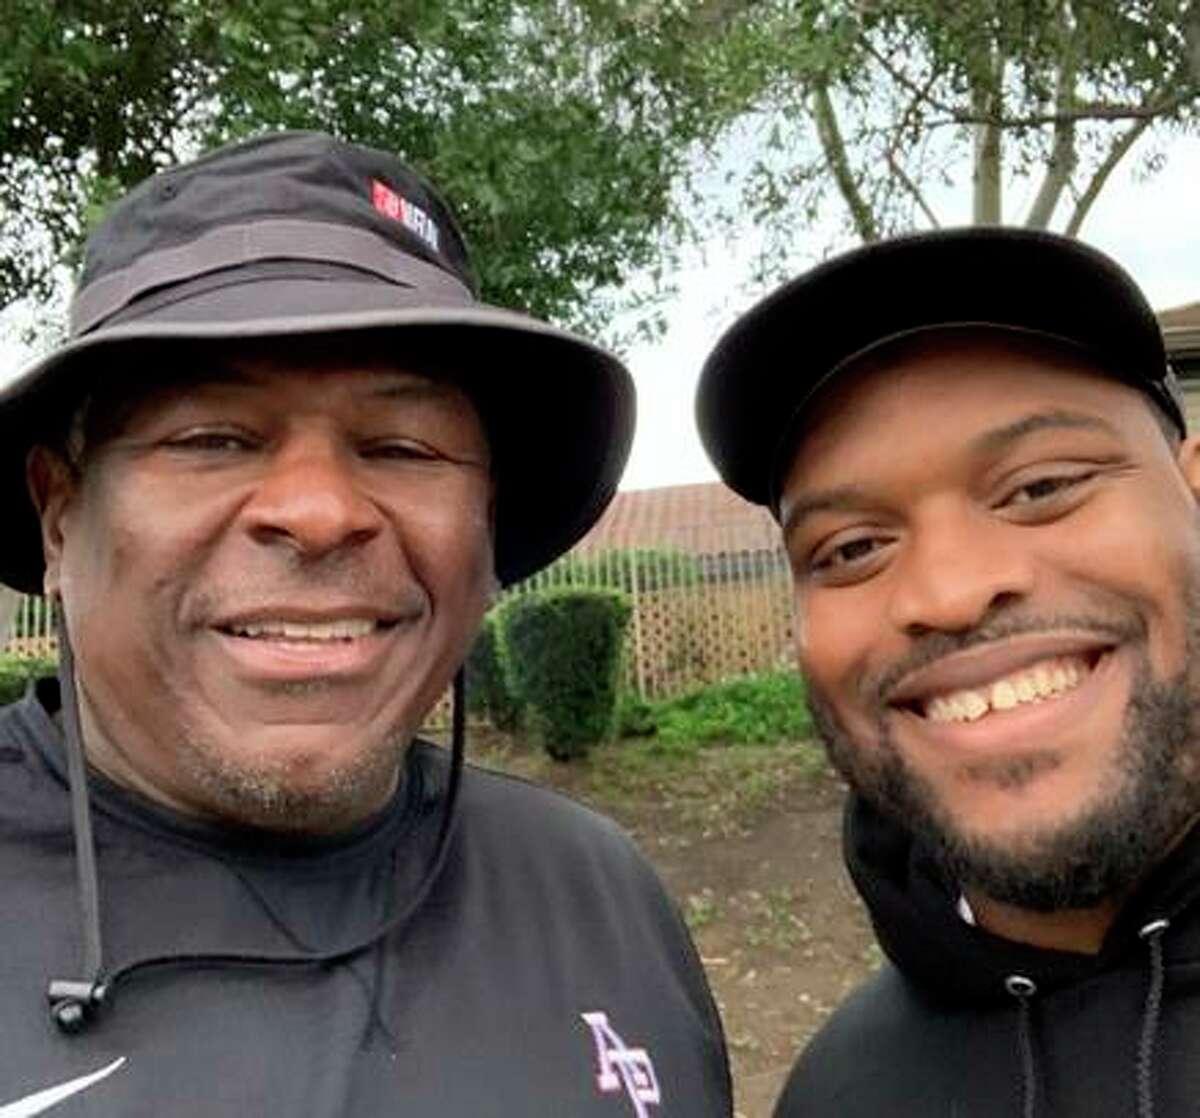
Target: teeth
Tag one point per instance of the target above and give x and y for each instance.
(1004, 695)
(314, 631)
(1035, 684)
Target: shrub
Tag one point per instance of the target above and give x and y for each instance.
(752, 709)
(488, 691)
(636, 718)
(561, 650)
(15, 675)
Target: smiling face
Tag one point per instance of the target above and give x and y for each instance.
(270, 571)
(996, 555)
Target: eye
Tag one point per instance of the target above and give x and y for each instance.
(1047, 492)
(849, 559)
(211, 442)
(401, 450)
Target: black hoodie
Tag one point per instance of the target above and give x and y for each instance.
(962, 1023)
(544, 973)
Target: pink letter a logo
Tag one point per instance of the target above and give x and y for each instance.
(621, 1068)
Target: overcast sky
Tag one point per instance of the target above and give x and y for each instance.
(1151, 227)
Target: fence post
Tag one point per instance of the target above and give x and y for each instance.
(638, 658)
(10, 602)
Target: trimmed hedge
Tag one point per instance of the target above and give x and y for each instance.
(488, 690)
(561, 651)
(15, 675)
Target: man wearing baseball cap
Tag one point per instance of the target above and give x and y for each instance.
(979, 462)
(272, 479)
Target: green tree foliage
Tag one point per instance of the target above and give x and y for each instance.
(1028, 104)
(556, 127)
(562, 654)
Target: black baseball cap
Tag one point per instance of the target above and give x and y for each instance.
(296, 234)
(768, 366)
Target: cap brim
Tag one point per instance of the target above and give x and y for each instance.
(788, 346)
(559, 410)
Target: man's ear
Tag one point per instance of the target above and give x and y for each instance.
(52, 485)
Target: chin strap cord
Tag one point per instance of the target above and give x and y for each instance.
(74, 1002)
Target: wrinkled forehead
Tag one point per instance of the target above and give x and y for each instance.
(943, 384)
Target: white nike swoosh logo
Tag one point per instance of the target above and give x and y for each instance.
(52, 1096)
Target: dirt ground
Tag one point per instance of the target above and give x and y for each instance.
(756, 866)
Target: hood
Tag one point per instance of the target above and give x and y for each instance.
(913, 910)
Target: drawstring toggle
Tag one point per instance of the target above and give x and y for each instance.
(73, 1004)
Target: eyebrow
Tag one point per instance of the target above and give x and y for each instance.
(416, 386)
(1000, 438)
(851, 498)
(845, 498)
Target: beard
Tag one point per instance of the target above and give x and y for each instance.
(267, 795)
(1149, 798)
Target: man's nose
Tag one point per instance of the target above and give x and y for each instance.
(310, 499)
(957, 568)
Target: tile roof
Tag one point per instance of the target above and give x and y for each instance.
(1177, 318)
(703, 519)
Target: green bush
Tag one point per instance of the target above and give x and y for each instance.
(752, 709)
(636, 718)
(488, 692)
(561, 651)
(15, 675)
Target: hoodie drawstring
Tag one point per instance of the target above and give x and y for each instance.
(75, 1002)
(1023, 989)
(1152, 934)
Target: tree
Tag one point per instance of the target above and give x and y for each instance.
(536, 117)
(890, 102)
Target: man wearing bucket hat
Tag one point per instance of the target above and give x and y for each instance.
(272, 479)
(978, 458)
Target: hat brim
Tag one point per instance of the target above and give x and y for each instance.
(559, 410)
(779, 354)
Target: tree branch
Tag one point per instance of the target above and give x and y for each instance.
(919, 92)
(1083, 111)
(834, 147)
(1116, 153)
(911, 187)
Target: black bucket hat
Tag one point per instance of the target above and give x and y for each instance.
(757, 381)
(297, 233)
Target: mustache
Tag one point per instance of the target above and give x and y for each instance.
(997, 626)
(388, 594)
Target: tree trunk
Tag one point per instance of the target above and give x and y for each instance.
(986, 103)
(1061, 164)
